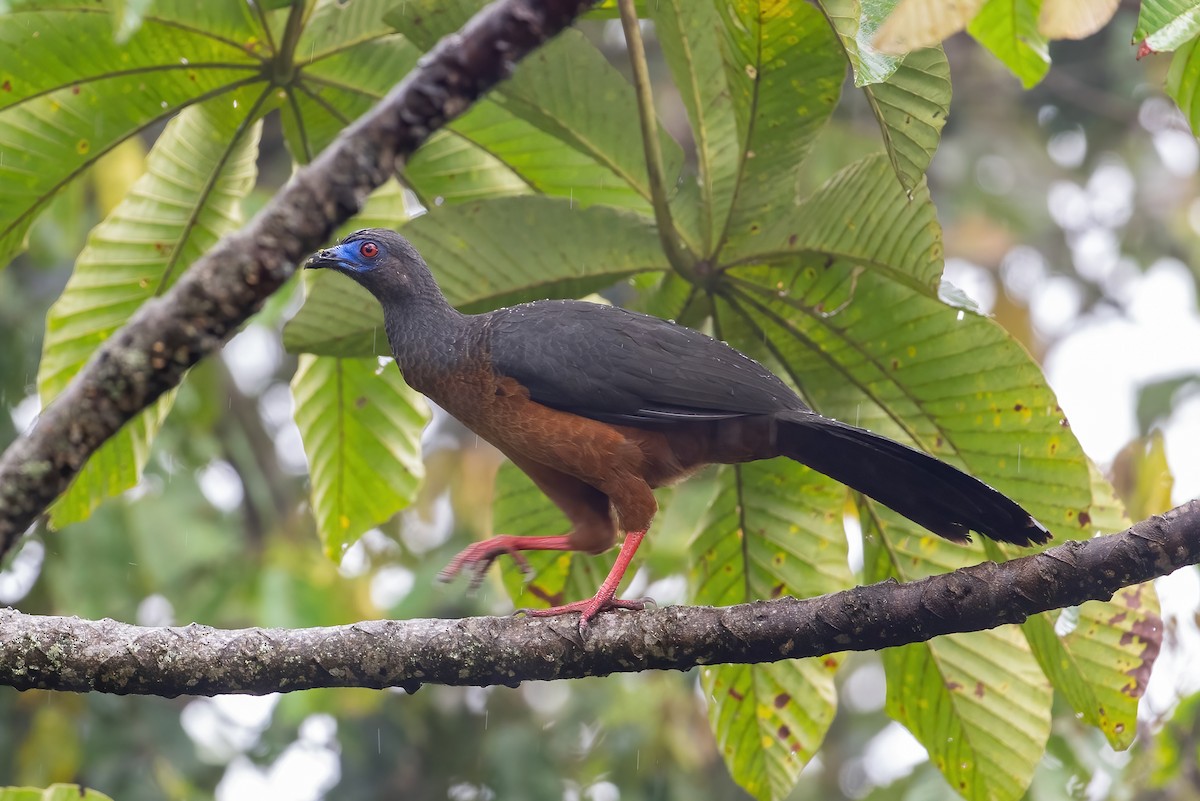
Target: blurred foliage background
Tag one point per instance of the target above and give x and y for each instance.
(1071, 214)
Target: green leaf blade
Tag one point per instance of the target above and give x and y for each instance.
(566, 89)
(856, 24)
(361, 426)
(912, 106)
(1183, 83)
(197, 175)
(689, 35)
(773, 529)
(785, 72)
(1165, 25)
(1010, 31)
(980, 706)
(1102, 660)
(72, 98)
(862, 214)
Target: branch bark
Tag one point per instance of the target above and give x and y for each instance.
(106, 656)
(150, 354)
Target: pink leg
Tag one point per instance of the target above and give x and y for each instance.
(605, 598)
(478, 557)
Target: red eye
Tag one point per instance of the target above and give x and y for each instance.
(369, 249)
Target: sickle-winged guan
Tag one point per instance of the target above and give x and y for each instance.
(599, 405)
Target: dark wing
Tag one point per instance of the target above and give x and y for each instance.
(615, 365)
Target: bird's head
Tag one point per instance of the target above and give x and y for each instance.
(385, 263)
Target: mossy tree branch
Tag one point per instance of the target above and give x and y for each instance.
(106, 656)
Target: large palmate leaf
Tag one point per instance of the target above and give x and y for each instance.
(961, 389)
(361, 426)
(1009, 29)
(196, 177)
(774, 529)
(480, 265)
(567, 90)
(70, 93)
(860, 330)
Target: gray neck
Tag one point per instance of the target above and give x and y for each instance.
(427, 335)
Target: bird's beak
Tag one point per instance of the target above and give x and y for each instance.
(326, 257)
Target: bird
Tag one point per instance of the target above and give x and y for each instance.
(600, 405)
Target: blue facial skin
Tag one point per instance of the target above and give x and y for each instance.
(351, 256)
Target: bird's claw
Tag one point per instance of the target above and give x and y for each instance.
(478, 557)
(589, 608)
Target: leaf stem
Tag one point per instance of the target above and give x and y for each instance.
(678, 253)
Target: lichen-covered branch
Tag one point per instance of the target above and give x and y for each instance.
(107, 656)
(150, 354)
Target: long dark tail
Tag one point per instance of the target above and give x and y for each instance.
(928, 492)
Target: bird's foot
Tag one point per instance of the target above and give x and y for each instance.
(589, 608)
(605, 598)
(478, 557)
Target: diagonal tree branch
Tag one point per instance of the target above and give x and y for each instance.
(106, 656)
(150, 354)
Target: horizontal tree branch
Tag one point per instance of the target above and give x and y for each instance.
(150, 354)
(106, 656)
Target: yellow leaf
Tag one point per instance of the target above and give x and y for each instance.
(1074, 19)
(923, 23)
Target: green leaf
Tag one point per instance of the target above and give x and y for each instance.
(335, 27)
(1165, 25)
(978, 702)
(785, 73)
(689, 35)
(892, 234)
(856, 24)
(566, 89)
(495, 147)
(451, 169)
(879, 354)
(909, 95)
(200, 169)
(980, 706)
(335, 87)
(63, 105)
(911, 107)
(480, 265)
(775, 528)
(55, 792)
(361, 426)
(1101, 655)
(1183, 83)
(1009, 29)
(545, 162)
